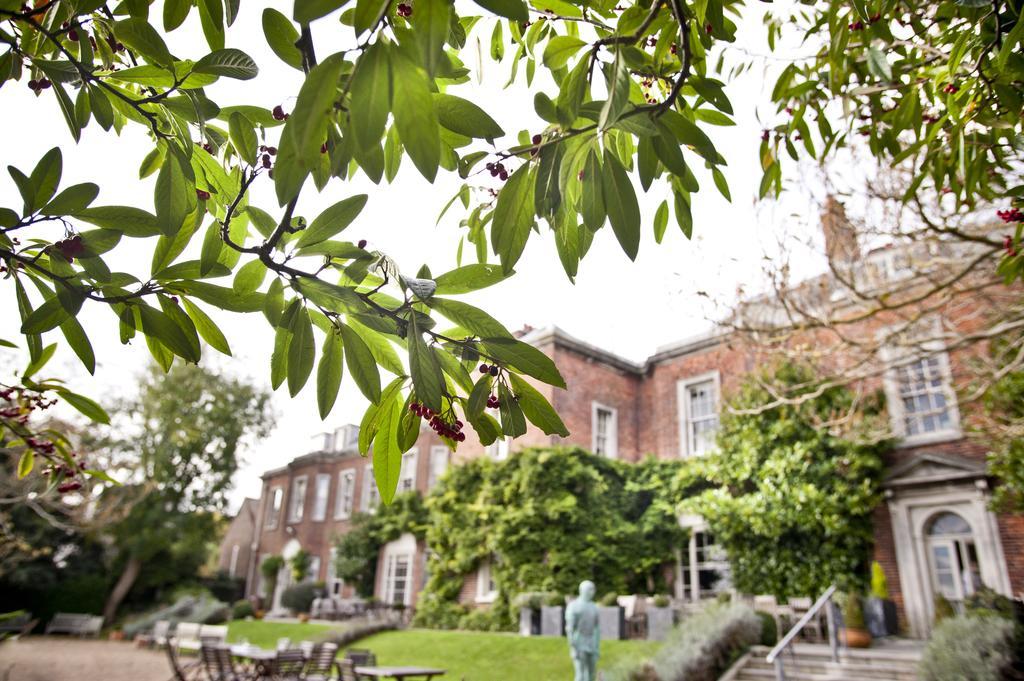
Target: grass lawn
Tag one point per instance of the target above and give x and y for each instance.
(483, 656)
(467, 655)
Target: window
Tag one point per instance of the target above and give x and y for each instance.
(605, 424)
(407, 476)
(438, 465)
(334, 582)
(486, 588)
(500, 448)
(346, 494)
(371, 497)
(313, 573)
(323, 489)
(396, 582)
(233, 564)
(703, 565)
(924, 402)
(698, 400)
(298, 500)
(274, 507)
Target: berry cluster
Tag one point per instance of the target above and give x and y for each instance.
(37, 85)
(1010, 215)
(451, 430)
(950, 89)
(71, 32)
(114, 45)
(22, 403)
(279, 114)
(1008, 245)
(404, 10)
(71, 248)
(267, 153)
(491, 369)
(493, 402)
(66, 472)
(497, 170)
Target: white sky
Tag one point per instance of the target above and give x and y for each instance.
(628, 308)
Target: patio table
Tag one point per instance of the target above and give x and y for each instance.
(261, 658)
(399, 672)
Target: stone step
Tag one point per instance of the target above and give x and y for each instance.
(812, 662)
(748, 674)
(840, 670)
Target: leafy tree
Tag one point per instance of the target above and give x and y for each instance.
(1001, 425)
(792, 497)
(179, 445)
(269, 568)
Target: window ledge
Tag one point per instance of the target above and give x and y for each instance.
(929, 438)
(488, 598)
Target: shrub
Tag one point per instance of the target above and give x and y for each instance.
(529, 599)
(479, 620)
(662, 601)
(242, 609)
(218, 615)
(967, 648)
(434, 613)
(299, 565)
(879, 584)
(269, 568)
(299, 598)
(986, 602)
(699, 649)
(554, 599)
(853, 611)
(610, 600)
(943, 609)
(769, 629)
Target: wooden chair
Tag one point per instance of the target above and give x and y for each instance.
(182, 672)
(320, 662)
(346, 670)
(218, 663)
(361, 657)
(813, 630)
(289, 665)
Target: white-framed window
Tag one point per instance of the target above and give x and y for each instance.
(346, 494)
(298, 505)
(605, 429)
(438, 464)
(407, 474)
(371, 496)
(698, 413)
(397, 587)
(486, 588)
(274, 508)
(500, 448)
(322, 491)
(334, 583)
(313, 573)
(233, 563)
(920, 396)
(704, 566)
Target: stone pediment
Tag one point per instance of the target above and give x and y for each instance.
(930, 468)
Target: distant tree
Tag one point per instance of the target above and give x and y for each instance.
(793, 490)
(177, 444)
(1001, 425)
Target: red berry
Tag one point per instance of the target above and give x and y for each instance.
(272, 151)
(503, 175)
(494, 370)
(203, 195)
(484, 369)
(537, 139)
(73, 35)
(764, 135)
(323, 148)
(69, 487)
(362, 243)
(278, 113)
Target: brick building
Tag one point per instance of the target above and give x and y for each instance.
(237, 545)
(934, 533)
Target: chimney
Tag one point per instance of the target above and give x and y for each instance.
(840, 236)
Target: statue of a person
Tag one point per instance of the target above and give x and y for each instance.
(584, 633)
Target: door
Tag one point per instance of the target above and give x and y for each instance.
(953, 557)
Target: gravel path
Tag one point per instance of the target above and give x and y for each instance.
(51, 658)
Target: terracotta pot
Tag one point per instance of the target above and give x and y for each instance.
(116, 635)
(258, 614)
(303, 617)
(857, 638)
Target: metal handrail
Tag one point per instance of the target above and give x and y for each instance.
(824, 601)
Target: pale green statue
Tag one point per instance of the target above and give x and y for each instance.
(584, 633)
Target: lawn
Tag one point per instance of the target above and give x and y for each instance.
(467, 655)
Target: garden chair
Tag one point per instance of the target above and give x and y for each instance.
(361, 657)
(289, 665)
(186, 636)
(813, 630)
(284, 643)
(219, 665)
(161, 630)
(188, 671)
(320, 662)
(346, 670)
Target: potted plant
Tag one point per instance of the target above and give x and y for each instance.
(659, 617)
(299, 565)
(610, 617)
(529, 604)
(855, 632)
(552, 615)
(879, 610)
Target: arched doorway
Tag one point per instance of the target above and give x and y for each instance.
(953, 557)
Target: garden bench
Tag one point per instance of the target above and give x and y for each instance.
(74, 623)
(18, 625)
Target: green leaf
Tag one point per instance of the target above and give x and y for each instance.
(573, 91)
(465, 118)
(477, 401)
(206, 327)
(142, 38)
(74, 334)
(426, 372)
(175, 13)
(623, 212)
(361, 364)
(230, 63)
(72, 200)
(157, 325)
(183, 322)
(547, 196)
(174, 196)
(618, 94)
(211, 16)
(85, 405)
(282, 35)
(130, 221)
(328, 373)
(430, 24)
(301, 351)
(592, 196)
(332, 221)
(25, 463)
(46, 317)
(560, 50)
(45, 177)
(243, 137)
(525, 358)
(878, 65)
(307, 11)
(510, 9)
(415, 116)
(470, 318)
(660, 221)
(249, 276)
(513, 218)
(219, 296)
(367, 13)
(387, 455)
(468, 278)
(39, 362)
(513, 422)
(537, 408)
(371, 96)
(279, 358)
